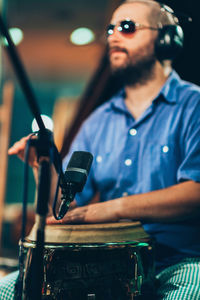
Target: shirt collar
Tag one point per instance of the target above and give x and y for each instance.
(168, 91)
(117, 101)
(170, 87)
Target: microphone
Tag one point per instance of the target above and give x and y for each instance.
(74, 178)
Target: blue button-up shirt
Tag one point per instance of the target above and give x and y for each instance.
(158, 150)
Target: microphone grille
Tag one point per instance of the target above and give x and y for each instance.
(81, 160)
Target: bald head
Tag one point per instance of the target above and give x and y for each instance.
(158, 15)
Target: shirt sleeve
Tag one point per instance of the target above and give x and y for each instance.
(190, 165)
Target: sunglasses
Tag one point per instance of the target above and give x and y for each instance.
(127, 27)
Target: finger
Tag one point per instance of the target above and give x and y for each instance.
(75, 216)
(52, 220)
(19, 149)
(16, 148)
(65, 220)
(19, 146)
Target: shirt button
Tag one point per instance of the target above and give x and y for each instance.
(133, 131)
(165, 149)
(128, 162)
(99, 159)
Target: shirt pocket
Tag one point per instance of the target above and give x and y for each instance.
(160, 163)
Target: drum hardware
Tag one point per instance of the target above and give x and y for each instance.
(91, 297)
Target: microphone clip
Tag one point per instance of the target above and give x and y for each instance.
(67, 196)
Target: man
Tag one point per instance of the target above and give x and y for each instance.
(146, 146)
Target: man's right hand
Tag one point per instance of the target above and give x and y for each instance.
(19, 149)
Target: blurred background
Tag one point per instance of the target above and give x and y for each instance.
(62, 46)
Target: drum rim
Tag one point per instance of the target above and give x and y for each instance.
(143, 242)
(95, 235)
(95, 226)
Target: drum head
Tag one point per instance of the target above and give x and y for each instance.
(92, 233)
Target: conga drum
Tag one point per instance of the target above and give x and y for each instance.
(112, 261)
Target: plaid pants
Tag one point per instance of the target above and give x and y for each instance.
(7, 286)
(178, 282)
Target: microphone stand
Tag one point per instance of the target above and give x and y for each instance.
(45, 150)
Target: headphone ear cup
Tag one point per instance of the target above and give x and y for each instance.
(169, 42)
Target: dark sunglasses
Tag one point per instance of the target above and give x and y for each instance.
(127, 27)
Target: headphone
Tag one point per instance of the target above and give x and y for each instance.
(170, 37)
(169, 42)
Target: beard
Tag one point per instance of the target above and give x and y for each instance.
(133, 73)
